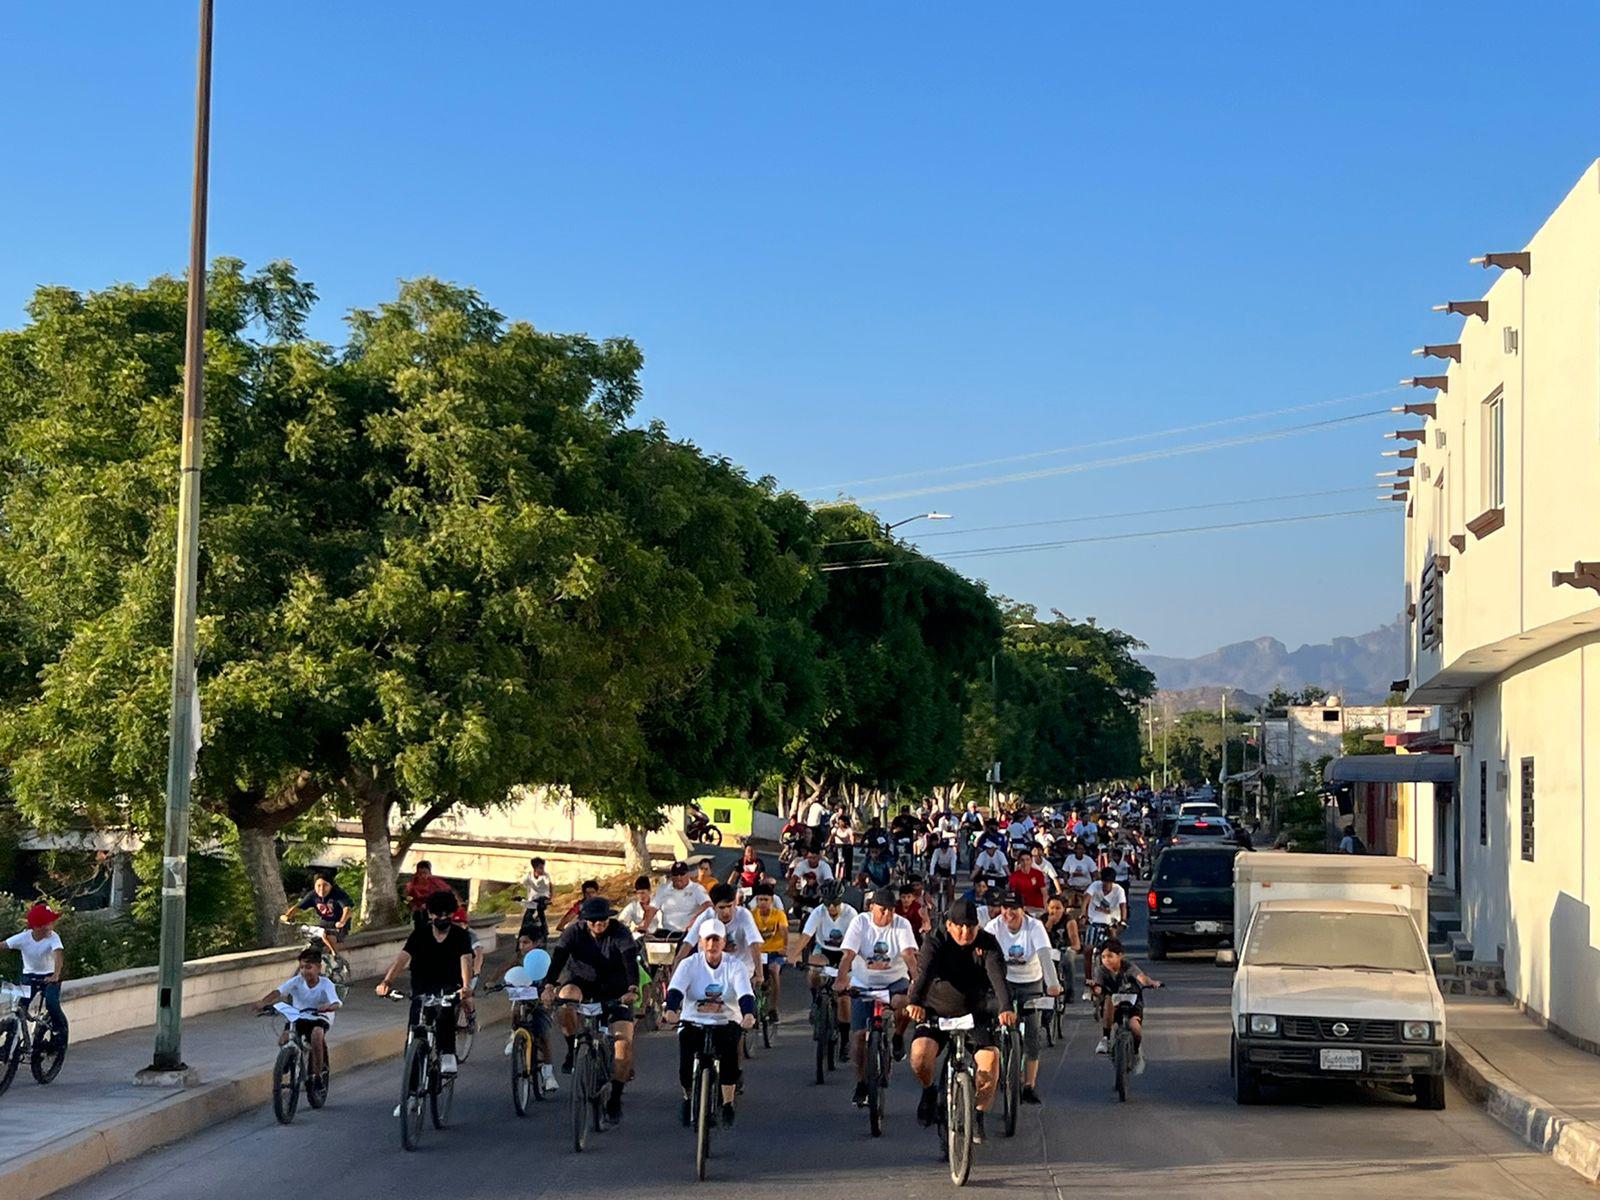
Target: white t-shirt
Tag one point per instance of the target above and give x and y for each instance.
(676, 905)
(1123, 870)
(632, 917)
(711, 995)
(991, 862)
(1105, 903)
(943, 858)
(538, 887)
(38, 954)
(1080, 871)
(802, 869)
(1022, 948)
(742, 932)
(309, 999)
(827, 931)
(815, 813)
(1020, 831)
(1048, 869)
(879, 961)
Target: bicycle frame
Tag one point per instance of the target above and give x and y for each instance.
(958, 1088)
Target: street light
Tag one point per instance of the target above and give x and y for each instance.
(928, 516)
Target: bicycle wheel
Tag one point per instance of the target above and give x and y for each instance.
(339, 976)
(465, 1034)
(1048, 1024)
(582, 1088)
(524, 1075)
(317, 1085)
(10, 1051)
(49, 1052)
(876, 1074)
(1013, 1080)
(962, 1106)
(413, 1094)
(822, 1035)
(766, 1030)
(1121, 1053)
(705, 1119)
(286, 1084)
(440, 1097)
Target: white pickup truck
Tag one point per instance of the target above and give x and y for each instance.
(1334, 979)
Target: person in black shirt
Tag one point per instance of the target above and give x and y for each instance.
(601, 959)
(333, 908)
(961, 970)
(1118, 974)
(440, 958)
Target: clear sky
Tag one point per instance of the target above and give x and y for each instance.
(859, 240)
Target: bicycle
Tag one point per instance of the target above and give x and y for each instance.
(1011, 1055)
(705, 1096)
(292, 1069)
(958, 1097)
(878, 1058)
(592, 1058)
(1122, 1048)
(527, 1083)
(825, 1021)
(27, 1030)
(660, 955)
(424, 1085)
(335, 967)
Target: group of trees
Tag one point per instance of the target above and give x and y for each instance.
(441, 561)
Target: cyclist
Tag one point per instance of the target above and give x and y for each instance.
(942, 864)
(44, 960)
(1079, 869)
(678, 901)
(440, 959)
(880, 953)
(633, 912)
(990, 865)
(909, 906)
(602, 962)
(307, 992)
(1062, 926)
(842, 842)
(808, 874)
(424, 883)
(1020, 831)
(1030, 974)
(532, 1016)
(749, 870)
(1108, 910)
(1028, 881)
(824, 931)
(772, 923)
(713, 984)
(960, 971)
(741, 937)
(704, 875)
(1119, 974)
(877, 869)
(538, 888)
(332, 907)
(903, 831)
(587, 890)
(1040, 859)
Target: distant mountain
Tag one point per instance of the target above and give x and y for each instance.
(1172, 701)
(1356, 669)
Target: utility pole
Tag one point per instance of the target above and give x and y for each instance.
(183, 721)
(1222, 771)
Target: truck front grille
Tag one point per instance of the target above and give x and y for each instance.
(1320, 1029)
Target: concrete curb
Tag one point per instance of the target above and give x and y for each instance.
(1573, 1143)
(168, 1117)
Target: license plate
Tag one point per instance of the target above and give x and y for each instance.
(1341, 1060)
(1208, 926)
(1122, 998)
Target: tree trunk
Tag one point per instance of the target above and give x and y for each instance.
(258, 851)
(380, 887)
(635, 850)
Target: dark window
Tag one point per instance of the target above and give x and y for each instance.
(1483, 804)
(1330, 714)
(1206, 869)
(1527, 809)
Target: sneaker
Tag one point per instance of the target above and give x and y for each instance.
(928, 1106)
(688, 1112)
(727, 1114)
(1138, 1063)
(614, 1109)
(775, 1017)
(547, 1076)
(1029, 1096)
(860, 1098)
(897, 1047)
(1103, 1046)
(447, 1063)
(510, 1042)
(1087, 994)
(978, 1134)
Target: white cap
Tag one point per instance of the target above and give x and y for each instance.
(711, 927)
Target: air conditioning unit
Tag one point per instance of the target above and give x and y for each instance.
(1426, 472)
(1438, 439)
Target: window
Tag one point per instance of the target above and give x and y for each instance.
(1483, 803)
(1527, 809)
(1330, 714)
(1494, 451)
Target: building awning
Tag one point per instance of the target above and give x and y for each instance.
(1392, 768)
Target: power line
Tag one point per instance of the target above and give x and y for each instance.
(1138, 512)
(1117, 441)
(1030, 547)
(1122, 460)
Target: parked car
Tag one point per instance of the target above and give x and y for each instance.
(1191, 899)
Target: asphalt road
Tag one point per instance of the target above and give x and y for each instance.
(1179, 1134)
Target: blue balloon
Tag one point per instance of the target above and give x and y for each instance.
(536, 964)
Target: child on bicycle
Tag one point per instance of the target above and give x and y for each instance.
(43, 960)
(307, 992)
(773, 925)
(1116, 974)
(532, 1016)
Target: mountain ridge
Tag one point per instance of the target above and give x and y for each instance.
(1358, 669)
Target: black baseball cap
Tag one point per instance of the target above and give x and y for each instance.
(596, 908)
(962, 912)
(1006, 900)
(884, 897)
(678, 868)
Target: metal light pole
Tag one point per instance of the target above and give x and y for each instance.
(183, 723)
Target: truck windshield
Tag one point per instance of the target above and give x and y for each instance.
(1205, 869)
(1377, 941)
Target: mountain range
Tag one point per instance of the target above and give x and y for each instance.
(1356, 669)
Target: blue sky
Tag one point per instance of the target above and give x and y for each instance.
(860, 240)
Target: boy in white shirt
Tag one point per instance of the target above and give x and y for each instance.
(43, 961)
(313, 1000)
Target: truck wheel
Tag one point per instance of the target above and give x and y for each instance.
(1246, 1082)
(1430, 1091)
(1157, 946)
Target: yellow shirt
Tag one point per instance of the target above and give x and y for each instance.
(774, 929)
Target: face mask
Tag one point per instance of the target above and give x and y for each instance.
(441, 922)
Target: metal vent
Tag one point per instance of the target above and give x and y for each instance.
(1509, 337)
(1427, 472)
(1438, 439)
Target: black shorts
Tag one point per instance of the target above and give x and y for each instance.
(980, 1037)
(305, 1025)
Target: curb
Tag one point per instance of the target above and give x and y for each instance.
(1573, 1143)
(73, 1158)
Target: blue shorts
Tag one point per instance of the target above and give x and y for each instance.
(861, 1009)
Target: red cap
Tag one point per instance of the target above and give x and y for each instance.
(41, 914)
(460, 915)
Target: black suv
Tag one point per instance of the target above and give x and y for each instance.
(1191, 898)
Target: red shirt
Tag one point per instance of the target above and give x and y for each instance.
(1029, 884)
(912, 912)
(418, 890)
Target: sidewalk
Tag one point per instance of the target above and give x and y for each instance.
(1545, 1090)
(93, 1116)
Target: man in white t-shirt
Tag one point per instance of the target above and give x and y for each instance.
(991, 864)
(710, 988)
(1107, 904)
(823, 935)
(741, 938)
(1079, 870)
(809, 874)
(816, 817)
(678, 901)
(1030, 974)
(880, 954)
(307, 1002)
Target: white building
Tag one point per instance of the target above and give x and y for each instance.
(1502, 583)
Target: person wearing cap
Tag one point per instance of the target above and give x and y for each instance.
(711, 988)
(678, 901)
(44, 961)
(773, 925)
(601, 961)
(439, 957)
(960, 972)
(1030, 974)
(808, 874)
(880, 954)
(741, 937)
